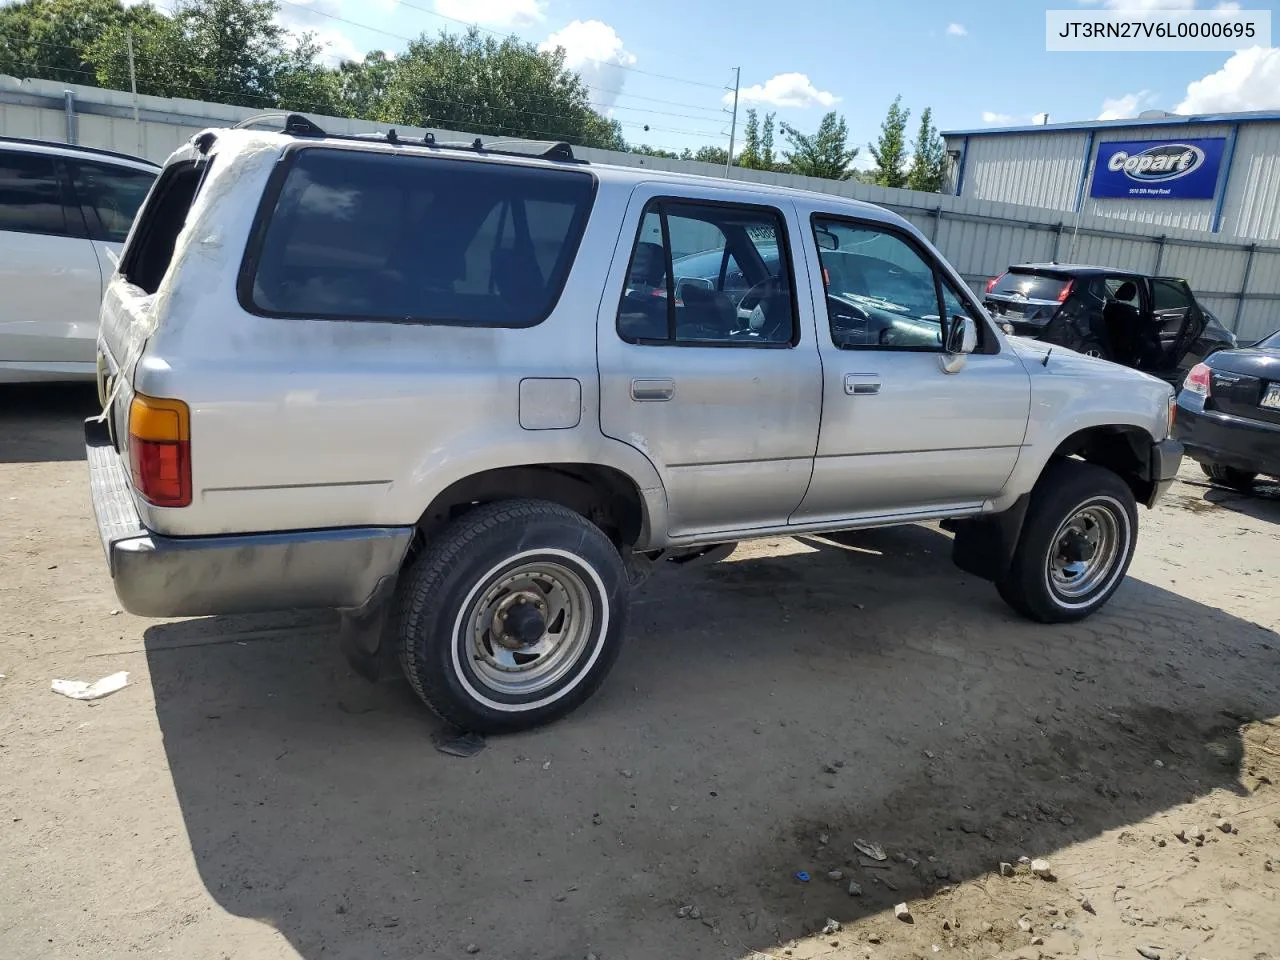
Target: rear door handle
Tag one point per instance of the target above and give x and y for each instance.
(861, 384)
(651, 391)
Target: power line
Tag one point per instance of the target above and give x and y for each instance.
(496, 33)
(272, 102)
(597, 89)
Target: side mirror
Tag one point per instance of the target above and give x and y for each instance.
(959, 339)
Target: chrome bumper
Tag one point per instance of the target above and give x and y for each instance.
(159, 576)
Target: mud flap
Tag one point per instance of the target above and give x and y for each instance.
(984, 546)
(364, 638)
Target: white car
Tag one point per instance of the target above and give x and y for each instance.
(65, 212)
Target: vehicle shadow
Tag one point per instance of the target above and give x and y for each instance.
(1261, 503)
(42, 422)
(768, 711)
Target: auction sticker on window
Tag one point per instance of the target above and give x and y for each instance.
(1143, 29)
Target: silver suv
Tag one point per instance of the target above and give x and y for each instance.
(469, 397)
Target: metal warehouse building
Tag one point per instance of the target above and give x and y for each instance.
(1219, 174)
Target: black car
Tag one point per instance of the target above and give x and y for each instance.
(1229, 414)
(1148, 323)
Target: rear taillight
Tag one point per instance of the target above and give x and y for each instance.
(160, 450)
(991, 284)
(1198, 379)
(1066, 291)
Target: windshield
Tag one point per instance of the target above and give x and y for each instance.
(1272, 341)
(1032, 286)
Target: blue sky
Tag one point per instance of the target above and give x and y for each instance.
(975, 63)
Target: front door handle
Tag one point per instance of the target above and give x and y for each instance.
(650, 391)
(861, 384)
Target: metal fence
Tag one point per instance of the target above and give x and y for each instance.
(1239, 282)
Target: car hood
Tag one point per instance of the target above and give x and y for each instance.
(1062, 360)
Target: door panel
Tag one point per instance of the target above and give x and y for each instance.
(52, 290)
(898, 433)
(48, 271)
(724, 405)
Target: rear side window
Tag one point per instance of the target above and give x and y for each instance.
(365, 236)
(146, 259)
(109, 197)
(1032, 286)
(30, 196)
(1170, 295)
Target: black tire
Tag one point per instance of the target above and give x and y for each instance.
(1240, 480)
(1065, 491)
(1093, 347)
(451, 660)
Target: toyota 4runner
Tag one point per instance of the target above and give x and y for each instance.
(468, 397)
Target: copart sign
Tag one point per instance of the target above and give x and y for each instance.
(1157, 169)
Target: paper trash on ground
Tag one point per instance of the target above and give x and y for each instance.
(79, 690)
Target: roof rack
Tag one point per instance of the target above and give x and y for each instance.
(96, 151)
(297, 125)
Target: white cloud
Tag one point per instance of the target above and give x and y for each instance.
(1039, 119)
(990, 116)
(786, 90)
(1249, 80)
(1125, 107)
(956, 30)
(316, 17)
(595, 51)
(494, 13)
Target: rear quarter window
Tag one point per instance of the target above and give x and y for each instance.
(354, 235)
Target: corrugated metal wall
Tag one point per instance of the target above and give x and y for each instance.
(1036, 169)
(1253, 192)
(1044, 169)
(981, 237)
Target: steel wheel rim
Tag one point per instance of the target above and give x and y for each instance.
(1094, 352)
(1084, 551)
(504, 663)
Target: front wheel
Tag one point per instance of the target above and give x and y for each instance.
(513, 616)
(1077, 542)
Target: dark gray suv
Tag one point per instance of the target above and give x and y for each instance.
(1149, 323)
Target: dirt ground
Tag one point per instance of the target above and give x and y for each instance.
(247, 796)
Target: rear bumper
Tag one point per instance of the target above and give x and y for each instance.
(1165, 461)
(1211, 437)
(159, 576)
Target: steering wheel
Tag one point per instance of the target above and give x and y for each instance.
(759, 323)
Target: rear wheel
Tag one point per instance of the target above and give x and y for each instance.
(1076, 544)
(513, 616)
(1241, 480)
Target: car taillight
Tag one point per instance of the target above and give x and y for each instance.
(1066, 291)
(1198, 379)
(160, 450)
(991, 284)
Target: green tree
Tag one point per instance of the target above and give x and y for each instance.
(825, 153)
(708, 154)
(757, 143)
(507, 87)
(928, 157)
(363, 86)
(50, 39)
(890, 151)
(648, 151)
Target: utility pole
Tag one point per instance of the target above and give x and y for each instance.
(733, 124)
(133, 85)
